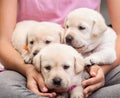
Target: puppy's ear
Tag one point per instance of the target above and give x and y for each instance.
(65, 22)
(37, 62)
(26, 41)
(25, 47)
(79, 63)
(98, 27)
(61, 34)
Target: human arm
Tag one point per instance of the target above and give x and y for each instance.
(97, 74)
(9, 57)
(114, 13)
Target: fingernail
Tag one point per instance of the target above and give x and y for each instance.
(93, 73)
(54, 94)
(44, 89)
(84, 84)
(87, 96)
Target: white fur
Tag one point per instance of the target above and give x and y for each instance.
(52, 61)
(87, 32)
(40, 33)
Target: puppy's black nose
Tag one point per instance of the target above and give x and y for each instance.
(57, 81)
(69, 39)
(35, 52)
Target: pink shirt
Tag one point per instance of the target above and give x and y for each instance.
(52, 10)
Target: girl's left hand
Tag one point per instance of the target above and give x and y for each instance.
(96, 81)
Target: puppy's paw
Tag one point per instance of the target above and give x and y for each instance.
(91, 60)
(27, 60)
(77, 95)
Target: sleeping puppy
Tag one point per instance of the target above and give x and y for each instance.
(62, 68)
(30, 36)
(86, 31)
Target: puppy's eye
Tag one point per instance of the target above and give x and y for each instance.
(47, 41)
(48, 67)
(81, 27)
(32, 42)
(66, 66)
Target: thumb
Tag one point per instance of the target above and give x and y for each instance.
(94, 70)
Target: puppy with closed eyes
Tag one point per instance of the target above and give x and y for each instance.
(30, 36)
(87, 32)
(62, 68)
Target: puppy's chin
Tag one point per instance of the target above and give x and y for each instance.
(84, 50)
(80, 49)
(58, 89)
(76, 46)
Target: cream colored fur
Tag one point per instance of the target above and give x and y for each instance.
(61, 67)
(87, 32)
(35, 35)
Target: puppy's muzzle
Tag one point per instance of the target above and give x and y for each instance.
(69, 39)
(57, 81)
(35, 52)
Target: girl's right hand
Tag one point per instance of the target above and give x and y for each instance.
(96, 81)
(36, 84)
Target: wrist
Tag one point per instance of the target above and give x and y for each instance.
(88, 68)
(28, 69)
(25, 69)
(106, 68)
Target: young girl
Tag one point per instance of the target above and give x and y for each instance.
(23, 81)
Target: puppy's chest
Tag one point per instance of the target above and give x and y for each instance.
(80, 77)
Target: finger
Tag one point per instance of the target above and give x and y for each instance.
(86, 96)
(99, 78)
(31, 84)
(94, 70)
(90, 89)
(50, 95)
(36, 91)
(90, 81)
(40, 82)
(34, 88)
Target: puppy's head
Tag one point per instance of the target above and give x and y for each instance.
(58, 64)
(43, 34)
(84, 29)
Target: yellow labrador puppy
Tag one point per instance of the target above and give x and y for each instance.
(30, 36)
(86, 31)
(62, 68)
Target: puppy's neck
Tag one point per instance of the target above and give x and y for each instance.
(71, 88)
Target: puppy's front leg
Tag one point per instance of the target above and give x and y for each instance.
(105, 56)
(26, 56)
(28, 59)
(77, 92)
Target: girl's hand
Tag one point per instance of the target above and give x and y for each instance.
(96, 81)
(36, 84)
